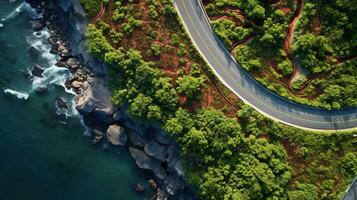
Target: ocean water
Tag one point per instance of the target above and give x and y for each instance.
(43, 151)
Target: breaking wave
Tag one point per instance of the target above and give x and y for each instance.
(19, 95)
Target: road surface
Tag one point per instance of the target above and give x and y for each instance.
(246, 87)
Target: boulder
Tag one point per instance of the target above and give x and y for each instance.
(145, 162)
(37, 71)
(161, 137)
(173, 184)
(135, 125)
(152, 184)
(116, 135)
(72, 61)
(85, 103)
(98, 135)
(97, 139)
(156, 150)
(61, 64)
(136, 139)
(76, 85)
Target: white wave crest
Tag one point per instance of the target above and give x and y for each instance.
(52, 75)
(20, 95)
(71, 111)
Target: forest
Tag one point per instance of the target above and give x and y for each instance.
(302, 50)
(230, 151)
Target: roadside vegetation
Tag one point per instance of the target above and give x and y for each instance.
(279, 40)
(230, 150)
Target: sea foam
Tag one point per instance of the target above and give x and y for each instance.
(19, 95)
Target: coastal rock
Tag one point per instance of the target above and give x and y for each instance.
(97, 139)
(160, 195)
(37, 70)
(161, 137)
(117, 116)
(104, 114)
(85, 103)
(61, 103)
(76, 85)
(136, 139)
(72, 61)
(132, 124)
(61, 64)
(145, 162)
(98, 136)
(156, 150)
(174, 164)
(173, 184)
(116, 135)
(152, 184)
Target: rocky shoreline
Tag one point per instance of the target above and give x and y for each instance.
(109, 126)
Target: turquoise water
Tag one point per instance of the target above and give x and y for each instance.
(44, 153)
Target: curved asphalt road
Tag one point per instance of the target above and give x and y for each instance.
(246, 87)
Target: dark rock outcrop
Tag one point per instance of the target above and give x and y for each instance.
(173, 184)
(161, 137)
(37, 71)
(136, 139)
(61, 103)
(145, 162)
(156, 150)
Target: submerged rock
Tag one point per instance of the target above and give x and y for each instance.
(61, 103)
(116, 135)
(145, 162)
(34, 54)
(139, 188)
(41, 90)
(38, 25)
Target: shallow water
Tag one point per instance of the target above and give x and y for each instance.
(44, 154)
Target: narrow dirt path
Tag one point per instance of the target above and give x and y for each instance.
(242, 42)
(288, 41)
(218, 89)
(100, 13)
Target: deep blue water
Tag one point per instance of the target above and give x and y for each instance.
(44, 153)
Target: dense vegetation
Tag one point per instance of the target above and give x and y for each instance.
(323, 45)
(156, 73)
